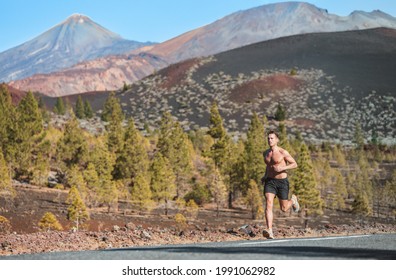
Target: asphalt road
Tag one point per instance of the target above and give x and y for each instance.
(343, 247)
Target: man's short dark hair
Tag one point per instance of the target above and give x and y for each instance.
(273, 132)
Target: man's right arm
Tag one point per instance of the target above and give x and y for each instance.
(266, 169)
(265, 176)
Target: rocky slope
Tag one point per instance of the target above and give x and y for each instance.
(328, 82)
(107, 73)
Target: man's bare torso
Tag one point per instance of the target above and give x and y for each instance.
(275, 159)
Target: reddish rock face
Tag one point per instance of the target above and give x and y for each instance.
(260, 87)
(103, 74)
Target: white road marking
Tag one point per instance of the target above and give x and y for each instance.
(302, 239)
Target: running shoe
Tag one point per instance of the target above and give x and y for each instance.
(268, 234)
(296, 205)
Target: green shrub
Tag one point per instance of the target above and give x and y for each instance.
(180, 220)
(200, 194)
(192, 209)
(49, 222)
(5, 225)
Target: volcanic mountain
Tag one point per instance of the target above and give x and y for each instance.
(328, 83)
(76, 39)
(236, 30)
(265, 23)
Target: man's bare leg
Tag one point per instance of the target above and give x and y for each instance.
(285, 204)
(269, 216)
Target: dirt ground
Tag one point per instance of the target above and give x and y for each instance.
(127, 228)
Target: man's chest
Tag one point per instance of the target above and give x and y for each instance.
(273, 158)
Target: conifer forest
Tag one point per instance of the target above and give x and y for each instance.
(176, 172)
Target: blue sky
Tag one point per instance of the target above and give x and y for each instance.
(142, 20)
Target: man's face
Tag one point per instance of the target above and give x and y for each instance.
(272, 140)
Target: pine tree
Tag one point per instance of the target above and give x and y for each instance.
(29, 125)
(132, 166)
(77, 211)
(323, 174)
(238, 173)
(218, 133)
(254, 200)
(43, 150)
(361, 204)
(30, 120)
(182, 160)
(283, 139)
(103, 161)
(233, 170)
(280, 114)
(133, 158)
(358, 137)
(363, 183)
(141, 192)
(162, 180)
(88, 112)
(49, 222)
(256, 144)
(220, 153)
(339, 156)
(91, 177)
(40, 168)
(60, 108)
(339, 191)
(165, 138)
(216, 128)
(217, 188)
(112, 109)
(72, 148)
(8, 128)
(173, 143)
(201, 141)
(6, 189)
(113, 115)
(305, 184)
(296, 142)
(108, 194)
(80, 112)
(7, 121)
(76, 178)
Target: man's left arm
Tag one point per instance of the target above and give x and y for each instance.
(290, 161)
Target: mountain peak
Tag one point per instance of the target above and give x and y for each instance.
(75, 39)
(78, 18)
(79, 23)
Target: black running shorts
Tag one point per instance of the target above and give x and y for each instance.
(279, 187)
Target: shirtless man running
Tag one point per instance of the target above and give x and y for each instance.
(275, 181)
